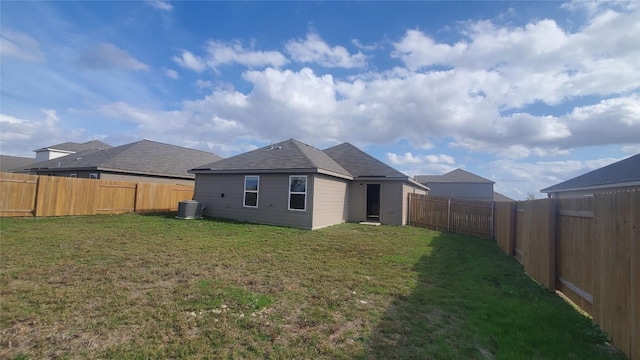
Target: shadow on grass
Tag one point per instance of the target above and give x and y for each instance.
(472, 301)
(173, 214)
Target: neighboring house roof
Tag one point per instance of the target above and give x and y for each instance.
(501, 198)
(142, 157)
(622, 173)
(455, 176)
(9, 163)
(289, 155)
(76, 147)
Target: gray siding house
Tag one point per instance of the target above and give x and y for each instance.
(459, 184)
(145, 161)
(619, 176)
(294, 184)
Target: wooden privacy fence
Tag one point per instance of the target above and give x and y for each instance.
(587, 248)
(458, 216)
(31, 195)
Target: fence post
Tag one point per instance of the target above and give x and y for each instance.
(38, 206)
(553, 283)
(513, 228)
(493, 214)
(448, 214)
(634, 278)
(409, 209)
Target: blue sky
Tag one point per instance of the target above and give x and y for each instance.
(527, 94)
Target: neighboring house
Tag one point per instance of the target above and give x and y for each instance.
(497, 197)
(10, 163)
(68, 148)
(294, 184)
(144, 160)
(459, 184)
(619, 176)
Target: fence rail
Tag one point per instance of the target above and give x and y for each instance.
(586, 248)
(32, 195)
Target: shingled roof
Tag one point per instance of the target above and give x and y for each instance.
(141, 157)
(12, 163)
(344, 160)
(361, 164)
(621, 172)
(455, 176)
(289, 155)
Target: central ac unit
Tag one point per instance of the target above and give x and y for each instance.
(189, 209)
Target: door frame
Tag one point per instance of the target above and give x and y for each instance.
(371, 215)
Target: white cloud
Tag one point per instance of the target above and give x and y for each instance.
(21, 136)
(190, 61)
(632, 149)
(418, 50)
(519, 178)
(405, 159)
(109, 56)
(431, 164)
(360, 45)
(611, 121)
(19, 45)
(526, 128)
(440, 158)
(474, 92)
(172, 74)
(315, 50)
(224, 53)
(203, 84)
(161, 5)
(538, 61)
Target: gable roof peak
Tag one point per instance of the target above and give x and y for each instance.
(454, 176)
(289, 154)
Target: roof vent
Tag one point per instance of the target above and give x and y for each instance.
(189, 209)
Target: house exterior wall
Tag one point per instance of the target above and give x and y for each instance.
(222, 196)
(406, 190)
(86, 174)
(469, 191)
(330, 201)
(50, 154)
(393, 201)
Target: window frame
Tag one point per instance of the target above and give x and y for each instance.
(93, 176)
(73, 175)
(256, 191)
(306, 184)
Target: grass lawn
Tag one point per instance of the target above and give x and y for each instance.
(133, 286)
